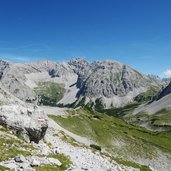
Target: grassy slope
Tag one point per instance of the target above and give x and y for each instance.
(50, 92)
(65, 164)
(161, 119)
(147, 96)
(118, 137)
(12, 146)
(2, 168)
(119, 112)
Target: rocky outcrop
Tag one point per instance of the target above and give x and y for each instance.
(29, 122)
(3, 66)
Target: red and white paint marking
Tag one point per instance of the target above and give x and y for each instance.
(40, 119)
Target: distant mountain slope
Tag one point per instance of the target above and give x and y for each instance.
(163, 92)
(161, 101)
(109, 82)
(154, 115)
(21, 79)
(13, 77)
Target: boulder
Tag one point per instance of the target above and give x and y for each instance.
(26, 121)
(35, 162)
(55, 161)
(20, 159)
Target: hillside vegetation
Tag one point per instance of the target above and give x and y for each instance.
(160, 120)
(120, 139)
(49, 93)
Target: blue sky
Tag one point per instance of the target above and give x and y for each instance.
(135, 32)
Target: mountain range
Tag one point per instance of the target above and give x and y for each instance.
(110, 82)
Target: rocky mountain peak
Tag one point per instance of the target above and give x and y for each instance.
(78, 62)
(109, 80)
(155, 77)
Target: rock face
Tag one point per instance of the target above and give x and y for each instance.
(161, 101)
(29, 122)
(3, 66)
(20, 159)
(115, 84)
(163, 92)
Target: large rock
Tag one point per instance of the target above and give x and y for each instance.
(20, 159)
(34, 162)
(27, 121)
(55, 161)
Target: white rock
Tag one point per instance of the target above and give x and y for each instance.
(56, 150)
(44, 151)
(34, 126)
(55, 161)
(20, 158)
(35, 162)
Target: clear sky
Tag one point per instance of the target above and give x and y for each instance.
(135, 32)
